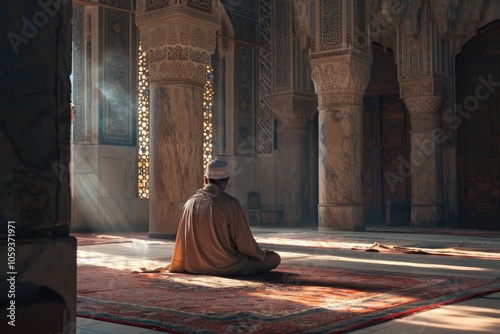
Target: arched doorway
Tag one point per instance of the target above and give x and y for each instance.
(386, 143)
(478, 130)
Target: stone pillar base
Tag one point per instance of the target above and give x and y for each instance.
(427, 215)
(342, 217)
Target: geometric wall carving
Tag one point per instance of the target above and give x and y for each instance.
(156, 4)
(264, 116)
(330, 24)
(204, 5)
(117, 116)
(244, 103)
(125, 4)
(78, 89)
(245, 89)
(282, 50)
(360, 35)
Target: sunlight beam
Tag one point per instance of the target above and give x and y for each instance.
(308, 258)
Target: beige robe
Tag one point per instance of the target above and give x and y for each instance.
(214, 236)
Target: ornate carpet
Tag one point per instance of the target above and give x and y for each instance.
(290, 299)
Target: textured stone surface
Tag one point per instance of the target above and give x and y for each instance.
(426, 179)
(176, 170)
(34, 118)
(178, 50)
(426, 161)
(340, 83)
(35, 65)
(340, 164)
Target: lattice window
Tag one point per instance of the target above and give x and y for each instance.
(331, 24)
(127, 4)
(143, 125)
(207, 117)
(156, 4)
(205, 5)
(143, 122)
(282, 47)
(361, 36)
(265, 116)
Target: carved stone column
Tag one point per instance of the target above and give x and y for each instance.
(424, 85)
(293, 105)
(179, 40)
(340, 84)
(294, 161)
(425, 168)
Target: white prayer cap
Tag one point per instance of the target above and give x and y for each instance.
(217, 170)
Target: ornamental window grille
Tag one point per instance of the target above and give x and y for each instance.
(143, 122)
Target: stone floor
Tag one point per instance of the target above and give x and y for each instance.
(334, 248)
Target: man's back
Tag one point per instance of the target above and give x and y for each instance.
(213, 235)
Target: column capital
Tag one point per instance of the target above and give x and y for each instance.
(340, 80)
(179, 40)
(424, 112)
(424, 86)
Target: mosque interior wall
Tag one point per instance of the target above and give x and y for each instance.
(258, 92)
(255, 88)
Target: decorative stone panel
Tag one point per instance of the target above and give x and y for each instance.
(282, 46)
(330, 24)
(416, 87)
(264, 112)
(244, 101)
(415, 39)
(78, 67)
(178, 50)
(156, 4)
(424, 112)
(302, 22)
(204, 5)
(341, 79)
(156, 12)
(125, 4)
(117, 114)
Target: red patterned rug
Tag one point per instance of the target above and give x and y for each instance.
(289, 299)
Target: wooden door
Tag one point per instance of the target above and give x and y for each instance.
(478, 130)
(386, 147)
(372, 164)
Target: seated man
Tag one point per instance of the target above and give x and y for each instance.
(214, 236)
